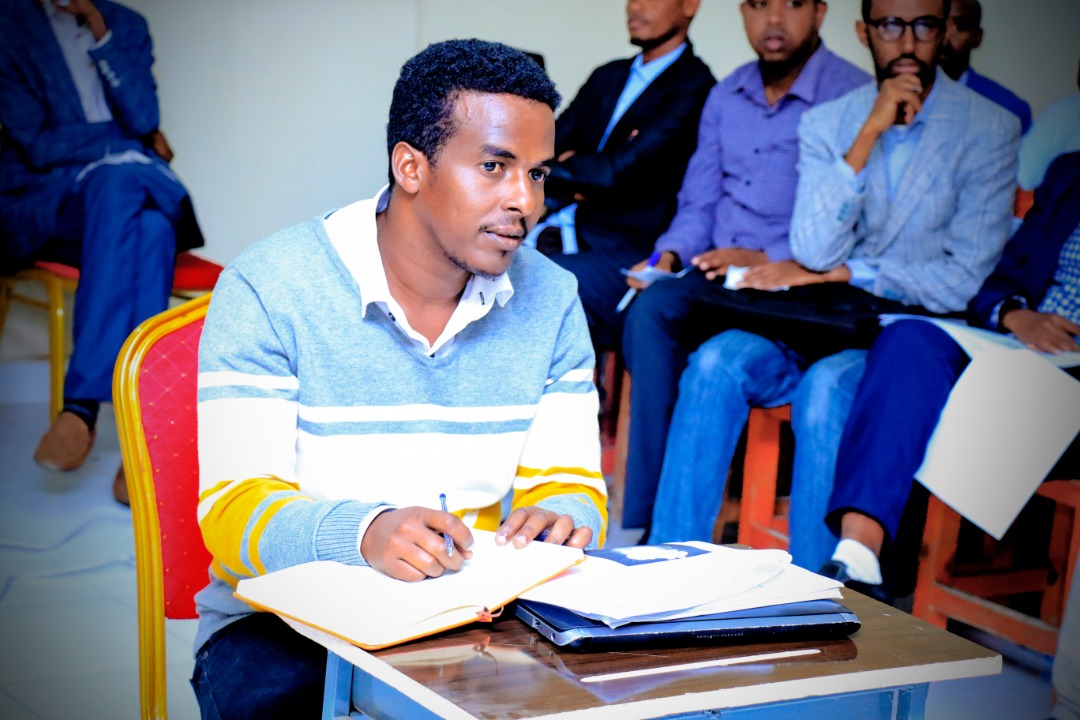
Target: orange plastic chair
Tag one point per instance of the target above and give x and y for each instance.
(194, 276)
(763, 516)
(155, 393)
(975, 593)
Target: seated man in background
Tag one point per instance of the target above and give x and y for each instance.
(964, 34)
(355, 367)
(734, 208)
(622, 146)
(1033, 293)
(1055, 132)
(84, 181)
(903, 205)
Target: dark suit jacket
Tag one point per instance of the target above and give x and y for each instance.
(45, 139)
(630, 186)
(1002, 95)
(1027, 267)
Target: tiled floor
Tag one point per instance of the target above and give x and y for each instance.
(67, 591)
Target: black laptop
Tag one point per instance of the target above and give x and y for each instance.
(810, 620)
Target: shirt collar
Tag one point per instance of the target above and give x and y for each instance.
(805, 86)
(649, 71)
(354, 235)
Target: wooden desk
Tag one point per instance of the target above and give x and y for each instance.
(505, 670)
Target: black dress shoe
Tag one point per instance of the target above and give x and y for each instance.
(837, 570)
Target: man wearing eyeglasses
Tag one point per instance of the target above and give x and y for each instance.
(734, 208)
(905, 189)
(963, 33)
(903, 204)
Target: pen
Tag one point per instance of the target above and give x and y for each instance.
(446, 536)
(653, 259)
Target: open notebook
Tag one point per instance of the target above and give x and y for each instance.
(371, 610)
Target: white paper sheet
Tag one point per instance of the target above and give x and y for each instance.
(1008, 419)
(718, 580)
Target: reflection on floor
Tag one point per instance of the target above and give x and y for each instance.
(67, 591)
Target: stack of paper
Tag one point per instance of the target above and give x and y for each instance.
(679, 580)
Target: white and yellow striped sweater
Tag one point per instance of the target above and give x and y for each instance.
(316, 407)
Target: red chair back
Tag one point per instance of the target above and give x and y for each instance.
(155, 394)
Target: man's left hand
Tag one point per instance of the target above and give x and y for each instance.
(89, 14)
(160, 145)
(788, 273)
(526, 523)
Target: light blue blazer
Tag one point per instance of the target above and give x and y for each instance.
(938, 238)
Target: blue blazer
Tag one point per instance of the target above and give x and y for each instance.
(1002, 95)
(1031, 258)
(45, 139)
(935, 239)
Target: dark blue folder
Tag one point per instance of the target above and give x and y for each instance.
(810, 620)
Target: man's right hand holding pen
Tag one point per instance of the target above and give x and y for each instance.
(410, 543)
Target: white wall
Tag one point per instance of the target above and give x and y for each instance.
(277, 108)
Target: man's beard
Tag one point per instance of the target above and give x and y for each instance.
(926, 73)
(651, 43)
(798, 58)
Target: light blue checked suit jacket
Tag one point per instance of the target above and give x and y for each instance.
(941, 234)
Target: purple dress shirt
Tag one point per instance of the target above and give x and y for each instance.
(739, 188)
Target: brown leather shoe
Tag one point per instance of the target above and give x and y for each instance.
(119, 487)
(66, 445)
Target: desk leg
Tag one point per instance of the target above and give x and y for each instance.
(337, 692)
(911, 702)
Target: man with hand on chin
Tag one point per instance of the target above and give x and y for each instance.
(356, 367)
(734, 208)
(905, 195)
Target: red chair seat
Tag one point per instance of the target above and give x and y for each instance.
(195, 273)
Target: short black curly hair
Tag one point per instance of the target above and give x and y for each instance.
(425, 94)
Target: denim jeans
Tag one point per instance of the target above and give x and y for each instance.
(726, 376)
(259, 667)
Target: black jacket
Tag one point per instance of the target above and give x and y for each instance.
(630, 186)
(1027, 267)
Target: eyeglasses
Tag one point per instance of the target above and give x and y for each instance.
(788, 4)
(926, 28)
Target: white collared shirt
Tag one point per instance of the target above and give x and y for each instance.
(75, 42)
(353, 232)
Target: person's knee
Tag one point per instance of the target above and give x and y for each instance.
(826, 391)
(119, 178)
(909, 338)
(724, 363)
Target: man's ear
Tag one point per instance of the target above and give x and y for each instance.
(819, 13)
(861, 29)
(976, 38)
(410, 167)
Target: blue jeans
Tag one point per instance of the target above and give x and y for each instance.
(725, 377)
(259, 667)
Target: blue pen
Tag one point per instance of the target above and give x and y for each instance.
(653, 259)
(446, 536)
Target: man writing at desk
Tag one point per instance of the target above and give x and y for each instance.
(355, 367)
